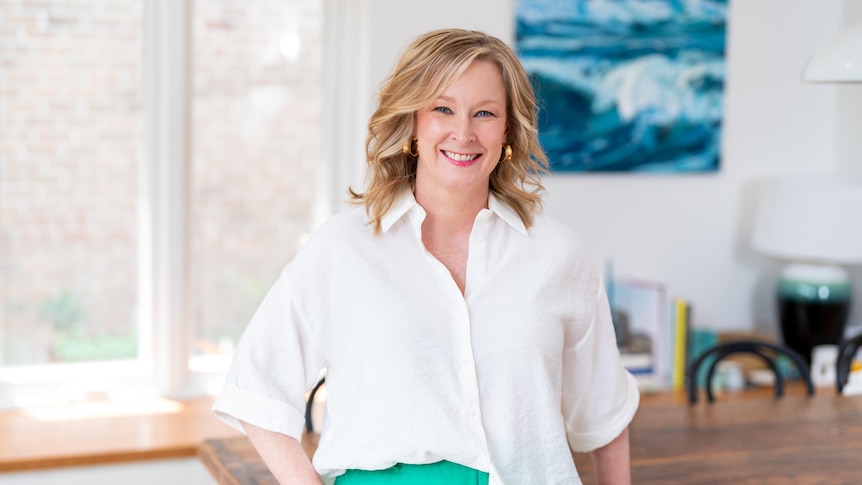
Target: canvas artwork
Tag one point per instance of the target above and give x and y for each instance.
(626, 85)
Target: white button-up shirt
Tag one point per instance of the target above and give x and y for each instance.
(504, 378)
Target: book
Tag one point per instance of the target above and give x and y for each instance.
(680, 323)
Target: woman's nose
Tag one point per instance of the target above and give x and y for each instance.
(463, 131)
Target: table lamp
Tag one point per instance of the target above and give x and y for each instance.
(814, 225)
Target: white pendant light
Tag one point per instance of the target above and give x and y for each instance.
(838, 61)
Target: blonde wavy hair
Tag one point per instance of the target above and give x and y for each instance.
(429, 65)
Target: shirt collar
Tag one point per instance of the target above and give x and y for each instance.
(400, 206)
(405, 201)
(506, 213)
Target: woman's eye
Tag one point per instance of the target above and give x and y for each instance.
(443, 109)
(483, 114)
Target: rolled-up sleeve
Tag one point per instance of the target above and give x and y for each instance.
(275, 363)
(600, 397)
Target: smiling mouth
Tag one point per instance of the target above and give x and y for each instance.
(460, 157)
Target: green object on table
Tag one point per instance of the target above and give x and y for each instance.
(700, 340)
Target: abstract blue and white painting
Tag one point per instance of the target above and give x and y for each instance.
(626, 85)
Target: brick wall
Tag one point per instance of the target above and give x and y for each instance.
(71, 145)
(70, 134)
(256, 145)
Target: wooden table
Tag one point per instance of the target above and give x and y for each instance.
(758, 440)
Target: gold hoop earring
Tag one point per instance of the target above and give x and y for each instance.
(411, 147)
(506, 155)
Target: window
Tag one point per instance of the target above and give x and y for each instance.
(151, 193)
(256, 128)
(71, 121)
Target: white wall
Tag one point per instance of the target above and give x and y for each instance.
(688, 231)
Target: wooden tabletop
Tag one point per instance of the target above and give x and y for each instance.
(102, 432)
(758, 440)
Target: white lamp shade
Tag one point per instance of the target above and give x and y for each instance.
(813, 219)
(838, 61)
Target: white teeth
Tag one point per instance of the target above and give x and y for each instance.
(459, 157)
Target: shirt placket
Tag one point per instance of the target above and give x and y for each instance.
(462, 329)
(477, 259)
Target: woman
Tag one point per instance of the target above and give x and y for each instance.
(467, 337)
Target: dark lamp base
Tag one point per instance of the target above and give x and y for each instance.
(813, 305)
(805, 324)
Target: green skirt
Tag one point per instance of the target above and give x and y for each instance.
(440, 473)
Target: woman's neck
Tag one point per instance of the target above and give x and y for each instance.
(451, 211)
(447, 227)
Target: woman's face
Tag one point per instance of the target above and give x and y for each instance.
(460, 134)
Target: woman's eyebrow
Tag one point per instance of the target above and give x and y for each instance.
(447, 99)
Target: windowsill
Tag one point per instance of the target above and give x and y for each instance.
(106, 432)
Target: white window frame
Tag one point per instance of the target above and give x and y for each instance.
(164, 365)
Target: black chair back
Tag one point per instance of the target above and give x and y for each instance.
(764, 350)
(845, 358)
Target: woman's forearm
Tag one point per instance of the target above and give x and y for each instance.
(612, 461)
(283, 455)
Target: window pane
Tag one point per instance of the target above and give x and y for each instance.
(70, 139)
(256, 124)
